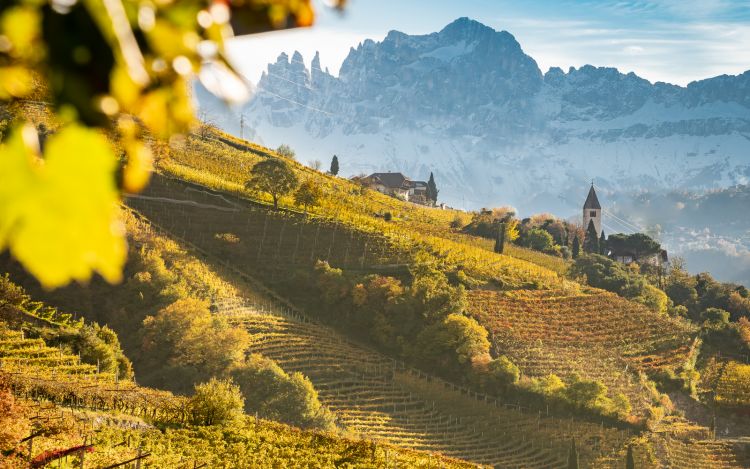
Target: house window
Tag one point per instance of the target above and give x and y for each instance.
(592, 214)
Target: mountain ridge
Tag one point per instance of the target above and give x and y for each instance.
(469, 105)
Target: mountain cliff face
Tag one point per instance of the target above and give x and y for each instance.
(469, 105)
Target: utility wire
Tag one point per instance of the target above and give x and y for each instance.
(297, 103)
(624, 222)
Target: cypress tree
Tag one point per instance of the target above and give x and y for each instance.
(335, 165)
(500, 239)
(576, 247)
(603, 244)
(573, 456)
(630, 461)
(432, 190)
(591, 241)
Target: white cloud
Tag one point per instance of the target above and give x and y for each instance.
(633, 50)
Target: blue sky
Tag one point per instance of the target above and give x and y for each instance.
(676, 41)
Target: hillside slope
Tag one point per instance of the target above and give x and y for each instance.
(102, 421)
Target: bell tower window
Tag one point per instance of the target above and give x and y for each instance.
(592, 214)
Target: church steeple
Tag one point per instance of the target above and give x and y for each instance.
(592, 211)
(592, 201)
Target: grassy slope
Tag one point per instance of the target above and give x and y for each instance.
(221, 167)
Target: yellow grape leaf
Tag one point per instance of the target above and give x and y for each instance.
(21, 25)
(62, 215)
(15, 81)
(137, 171)
(17, 178)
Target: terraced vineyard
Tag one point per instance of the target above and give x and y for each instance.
(597, 335)
(35, 370)
(733, 387)
(384, 400)
(110, 421)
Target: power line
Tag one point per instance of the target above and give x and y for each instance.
(624, 228)
(291, 81)
(297, 103)
(609, 228)
(623, 222)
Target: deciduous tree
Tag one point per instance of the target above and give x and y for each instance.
(216, 402)
(286, 151)
(307, 194)
(273, 176)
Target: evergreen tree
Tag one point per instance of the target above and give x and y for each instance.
(335, 165)
(630, 461)
(573, 456)
(591, 241)
(576, 247)
(500, 239)
(432, 190)
(603, 244)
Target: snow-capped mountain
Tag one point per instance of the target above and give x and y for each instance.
(469, 105)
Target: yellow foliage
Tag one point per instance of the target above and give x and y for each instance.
(733, 388)
(58, 216)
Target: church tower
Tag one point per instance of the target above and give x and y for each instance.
(592, 211)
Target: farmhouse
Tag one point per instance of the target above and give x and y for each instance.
(398, 185)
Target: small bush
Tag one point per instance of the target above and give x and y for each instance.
(275, 395)
(716, 317)
(286, 151)
(216, 402)
(503, 372)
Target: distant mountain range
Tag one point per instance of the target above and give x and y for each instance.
(469, 105)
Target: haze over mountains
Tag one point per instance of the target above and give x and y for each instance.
(469, 105)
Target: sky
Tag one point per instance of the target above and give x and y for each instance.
(675, 41)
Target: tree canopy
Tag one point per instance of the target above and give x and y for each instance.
(308, 193)
(273, 176)
(638, 245)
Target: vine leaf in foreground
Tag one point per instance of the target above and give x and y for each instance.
(59, 214)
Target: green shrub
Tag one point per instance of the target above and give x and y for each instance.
(100, 345)
(452, 344)
(538, 239)
(275, 395)
(184, 343)
(654, 299)
(503, 373)
(216, 402)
